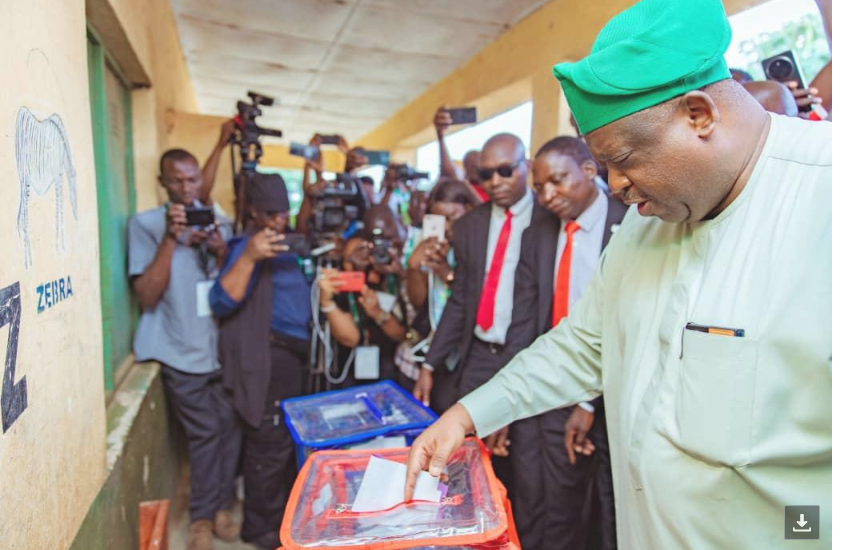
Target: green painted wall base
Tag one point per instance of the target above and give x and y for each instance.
(143, 462)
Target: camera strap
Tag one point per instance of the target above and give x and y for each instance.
(353, 308)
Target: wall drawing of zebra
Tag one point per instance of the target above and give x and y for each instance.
(43, 156)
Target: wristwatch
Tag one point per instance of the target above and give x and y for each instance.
(450, 277)
(383, 318)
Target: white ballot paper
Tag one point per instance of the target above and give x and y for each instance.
(383, 486)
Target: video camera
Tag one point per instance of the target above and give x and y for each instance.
(248, 133)
(337, 204)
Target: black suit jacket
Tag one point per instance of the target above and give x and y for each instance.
(533, 282)
(458, 321)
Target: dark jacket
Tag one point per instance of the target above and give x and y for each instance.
(458, 321)
(533, 282)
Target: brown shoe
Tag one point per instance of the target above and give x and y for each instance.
(201, 535)
(225, 527)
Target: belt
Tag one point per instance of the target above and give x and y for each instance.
(493, 348)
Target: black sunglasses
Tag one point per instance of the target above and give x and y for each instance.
(504, 171)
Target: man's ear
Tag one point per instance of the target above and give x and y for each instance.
(589, 168)
(160, 179)
(702, 112)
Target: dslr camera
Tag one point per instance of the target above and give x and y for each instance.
(380, 247)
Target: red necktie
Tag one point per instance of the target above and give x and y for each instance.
(484, 317)
(562, 292)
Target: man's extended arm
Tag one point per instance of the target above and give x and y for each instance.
(208, 173)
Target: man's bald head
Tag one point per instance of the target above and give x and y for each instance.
(773, 96)
(679, 160)
(472, 162)
(504, 169)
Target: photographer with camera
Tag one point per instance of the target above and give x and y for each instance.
(430, 272)
(366, 328)
(174, 254)
(262, 299)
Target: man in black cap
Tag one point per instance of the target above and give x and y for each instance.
(262, 299)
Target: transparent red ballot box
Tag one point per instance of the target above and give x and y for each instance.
(474, 514)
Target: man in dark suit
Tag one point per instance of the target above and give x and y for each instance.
(487, 248)
(561, 501)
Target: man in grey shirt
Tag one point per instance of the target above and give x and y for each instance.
(172, 266)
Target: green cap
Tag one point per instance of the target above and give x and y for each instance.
(652, 52)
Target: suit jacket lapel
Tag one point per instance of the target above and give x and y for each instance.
(547, 244)
(479, 253)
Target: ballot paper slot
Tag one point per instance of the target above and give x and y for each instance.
(469, 512)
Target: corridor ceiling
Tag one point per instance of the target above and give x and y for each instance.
(333, 66)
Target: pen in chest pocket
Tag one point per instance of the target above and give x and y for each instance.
(718, 331)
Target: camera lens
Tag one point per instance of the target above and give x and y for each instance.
(780, 69)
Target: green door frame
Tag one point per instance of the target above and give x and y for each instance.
(99, 61)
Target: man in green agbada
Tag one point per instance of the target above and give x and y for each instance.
(708, 323)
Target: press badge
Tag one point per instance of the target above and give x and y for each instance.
(202, 298)
(366, 363)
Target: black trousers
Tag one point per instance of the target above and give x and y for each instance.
(268, 459)
(481, 364)
(559, 506)
(212, 431)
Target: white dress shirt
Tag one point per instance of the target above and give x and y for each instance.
(521, 213)
(587, 244)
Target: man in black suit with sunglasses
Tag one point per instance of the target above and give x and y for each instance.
(487, 248)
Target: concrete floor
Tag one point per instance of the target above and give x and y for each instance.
(178, 527)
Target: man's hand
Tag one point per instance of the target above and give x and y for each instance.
(217, 245)
(329, 282)
(175, 221)
(498, 442)
(436, 258)
(442, 121)
(264, 245)
(433, 447)
(227, 131)
(197, 236)
(422, 389)
(369, 302)
(576, 434)
(805, 98)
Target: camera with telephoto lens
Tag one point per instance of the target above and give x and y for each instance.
(247, 135)
(337, 204)
(406, 172)
(380, 247)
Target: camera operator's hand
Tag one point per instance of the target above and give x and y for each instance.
(804, 98)
(442, 121)
(343, 145)
(329, 282)
(228, 128)
(216, 244)
(264, 245)
(435, 258)
(316, 165)
(369, 302)
(198, 236)
(175, 221)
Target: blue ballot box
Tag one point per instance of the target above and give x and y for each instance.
(379, 415)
